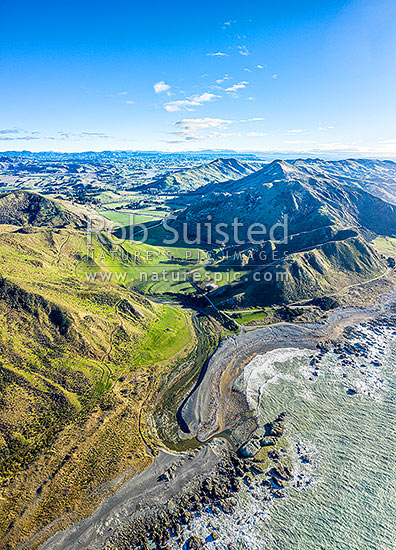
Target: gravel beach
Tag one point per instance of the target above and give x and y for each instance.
(210, 410)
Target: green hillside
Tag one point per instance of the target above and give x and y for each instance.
(282, 189)
(217, 171)
(80, 359)
(327, 224)
(96, 355)
(326, 269)
(27, 208)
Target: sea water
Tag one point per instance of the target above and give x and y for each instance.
(344, 496)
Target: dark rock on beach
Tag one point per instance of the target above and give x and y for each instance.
(273, 430)
(194, 543)
(212, 493)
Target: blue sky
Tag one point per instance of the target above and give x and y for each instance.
(297, 76)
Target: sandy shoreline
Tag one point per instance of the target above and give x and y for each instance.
(207, 412)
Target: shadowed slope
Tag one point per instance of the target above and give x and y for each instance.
(26, 208)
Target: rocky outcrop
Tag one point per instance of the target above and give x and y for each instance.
(214, 492)
(273, 430)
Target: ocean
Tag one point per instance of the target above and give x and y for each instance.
(341, 418)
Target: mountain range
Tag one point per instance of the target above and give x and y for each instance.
(333, 210)
(310, 198)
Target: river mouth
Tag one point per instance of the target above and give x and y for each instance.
(339, 439)
(323, 423)
(210, 409)
(341, 444)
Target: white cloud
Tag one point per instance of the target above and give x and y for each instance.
(160, 87)
(194, 101)
(194, 129)
(183, 139)
(254, 119)
(221, 80)
(193, 124)
(260, 67)
(304, 131)
(274, 76)
(243, 50)
(387, 141)
(130, 102)
(256, 134)
(13, 134)
(217, 135)
(179, 104)
(11, 131)
(247, 70)
(300, 141)
(203, 98)
(217, 54)
(235, 87)
(81, 135)
(298, 131)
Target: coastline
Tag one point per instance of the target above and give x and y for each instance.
(212, 408)
(138, 492)
(209, 410)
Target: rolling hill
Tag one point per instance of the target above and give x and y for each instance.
(323, 270)
(217, 171)
(80, 356)
(329, 219)
(27, 208)
(84, 359)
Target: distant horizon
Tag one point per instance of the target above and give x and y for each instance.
(270, 155)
